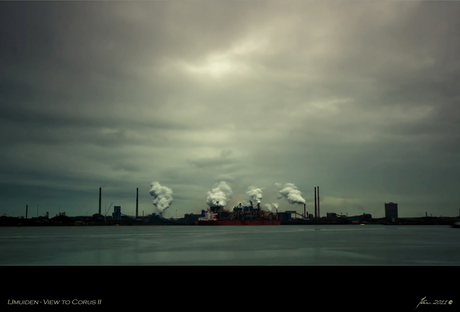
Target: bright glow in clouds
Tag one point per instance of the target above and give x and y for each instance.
(218, 65)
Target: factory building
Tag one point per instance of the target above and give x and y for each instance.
(116, 213)
(391, 211)
(364, 217)
(285, 216)
(191, 217)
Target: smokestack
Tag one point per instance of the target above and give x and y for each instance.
(316, 207)
(319, 215)
(137, 201)
(27, 210)
(100, 191)
(304, 210)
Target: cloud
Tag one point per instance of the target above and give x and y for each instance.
(224, 160)
(290, 192)
(360, 98)
(254, 194)
(162, 196)
(219, 196)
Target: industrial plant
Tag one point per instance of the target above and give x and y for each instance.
(248, 213)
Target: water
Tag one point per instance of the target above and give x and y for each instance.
(231, 245)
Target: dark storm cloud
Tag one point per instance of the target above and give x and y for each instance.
(358, 97)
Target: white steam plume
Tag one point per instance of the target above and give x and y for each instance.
(219, 195)
(271, 207)
(254, 194)
(162, 196)
(291, 193)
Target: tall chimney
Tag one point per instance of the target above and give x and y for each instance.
(27, 210)
(100, 200)
(319, 215)
(137, 201)
(304, 210)
(315, 203)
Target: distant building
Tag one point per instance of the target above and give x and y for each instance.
(361, 218)
(191, 217)
(153, 218)
(391, 211)
(96, 218)
(116, 213)
(284, 216)
(62, 218)
(335, 216)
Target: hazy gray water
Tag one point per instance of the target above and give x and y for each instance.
(231, 245)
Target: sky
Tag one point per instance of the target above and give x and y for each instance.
(360, 98)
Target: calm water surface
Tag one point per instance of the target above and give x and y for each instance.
(231, 245)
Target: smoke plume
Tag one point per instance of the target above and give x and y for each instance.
(162, 196)
(291, 193)
(271, 207)
(219, 195)
(254, 194)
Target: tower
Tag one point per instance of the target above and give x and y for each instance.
(100, 191)
(137, 201)
(319, 214)
(391, 211)
(316, 207)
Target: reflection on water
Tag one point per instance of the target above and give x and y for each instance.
(231, 245)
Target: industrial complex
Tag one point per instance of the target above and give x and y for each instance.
(239, 215)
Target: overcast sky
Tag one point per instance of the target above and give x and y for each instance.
(359, 97)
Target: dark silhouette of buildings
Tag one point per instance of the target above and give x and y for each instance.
(116, 213)
(391, 211)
